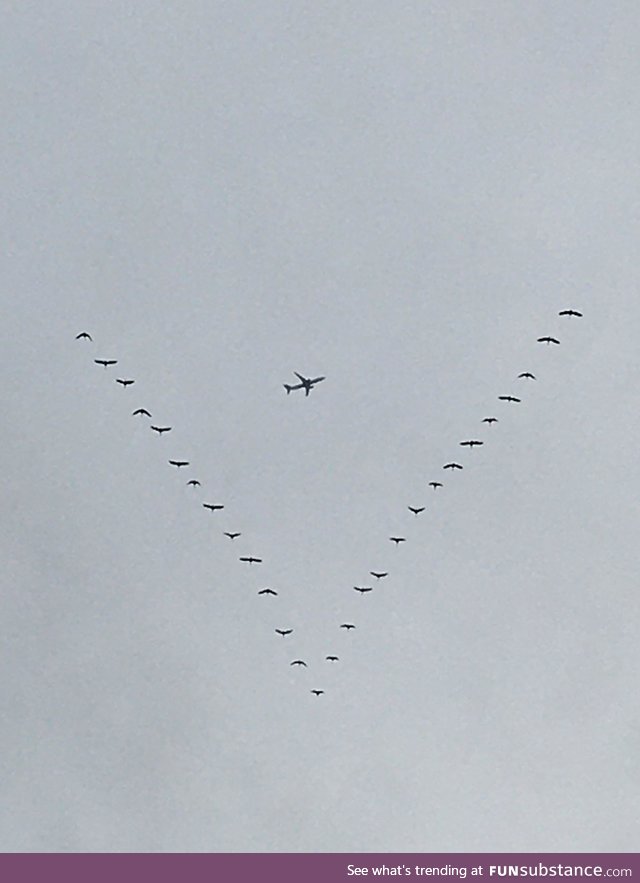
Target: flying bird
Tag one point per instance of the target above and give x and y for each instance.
(363, 589)
(213, 506)
(509, 399)
(452, 466)
(378, 574)
(161, 429)
(267, 591)
(193, 483)
(527, 375)
(317, 692)
(416, 510)
(250, 560)
(124, 382)
(548, 340)
(490, 420)
(141, 411)
(298, 662)
(84, 335)
(178, 463)
(397, 540)
(232, 536)
(472, 443)
(105, 362)
(347, 626)
(284, 632)
(332, 658)
(569, 313)
(435, 484)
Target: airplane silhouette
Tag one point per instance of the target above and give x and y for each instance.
(363, 589)
(161, 429)
(250, 560)
(509, 399)
(178, 463)
(284, 632)
(267, 592)
(141, 411)
(124, 382)
(105, 362)
(232, 536)
(548, 340)
(452, 466)
(397, 540)
(569, 313)
(213, 506)
(85, 335)
(378, 574)
(305, 383)
(416, 510)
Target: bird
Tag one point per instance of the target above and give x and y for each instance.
(178, 463)
(569, 313)
(332, 658)
(397, 540)
(452, 466)
(347, 625)
(416, 510)
(317, 692)
(232, 536)
(161, 429)
(435, 484)
(472, 443)
(193, 483)
(527, 375)
(250, 560)
(124, 382)
(378, 574)
(509, 399)
(548, 340)
(84, 335)
(105, 362)
(141, 411)
(490, 420)
(284, 632)
(298, 662)
(363, 589)
(213, 506)
(267, 591)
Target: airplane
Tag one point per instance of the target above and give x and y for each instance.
(332, 658)
(472, 443)
(178, 463)
(193, 483)
(416, 510)
(213, 506)
(305, 383)
(84, 335)
(548, 340)
(124, 382)
(267, 592)
(490, 420)
(378, 574)
(452, 466)
(284, 632)
(509, 399)
(347, 626)
(105, 362)
(250, 560)
(141, 411)
(569, 313)
(363, 589)
(161, 429)
(298, 662)
(317, 692)
(397, 540)
(232, 536)
(435, 484)
(528, 375)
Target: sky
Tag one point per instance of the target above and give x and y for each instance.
(400, 197)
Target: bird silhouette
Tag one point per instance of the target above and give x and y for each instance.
(490, 420)
(435, 484)
(397, 540)
(363, 589)
(232, 536)
(317, 692)
(124, 382)
(105, 362)
(284, 632)
(416, 510)
(141, 411)
(347, 625)
(84, 335)
(509, 399)
(250, 560)
(527, 375)
(267, 591)
(298, 662)
(569, 313)
(332, 658)
(213, 506)
(379, 574)
(161, 429)
(452, 466)
(193, 483)
(548, 340)
(178, 463)
(472, 443)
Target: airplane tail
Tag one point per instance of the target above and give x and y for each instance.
(287, 387)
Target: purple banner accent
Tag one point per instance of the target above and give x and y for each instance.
(312, 867)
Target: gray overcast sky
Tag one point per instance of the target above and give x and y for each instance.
(401, 197)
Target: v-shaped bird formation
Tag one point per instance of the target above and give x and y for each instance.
(284, 629)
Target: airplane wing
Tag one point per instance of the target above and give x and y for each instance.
(317, 379)
(300, 377)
